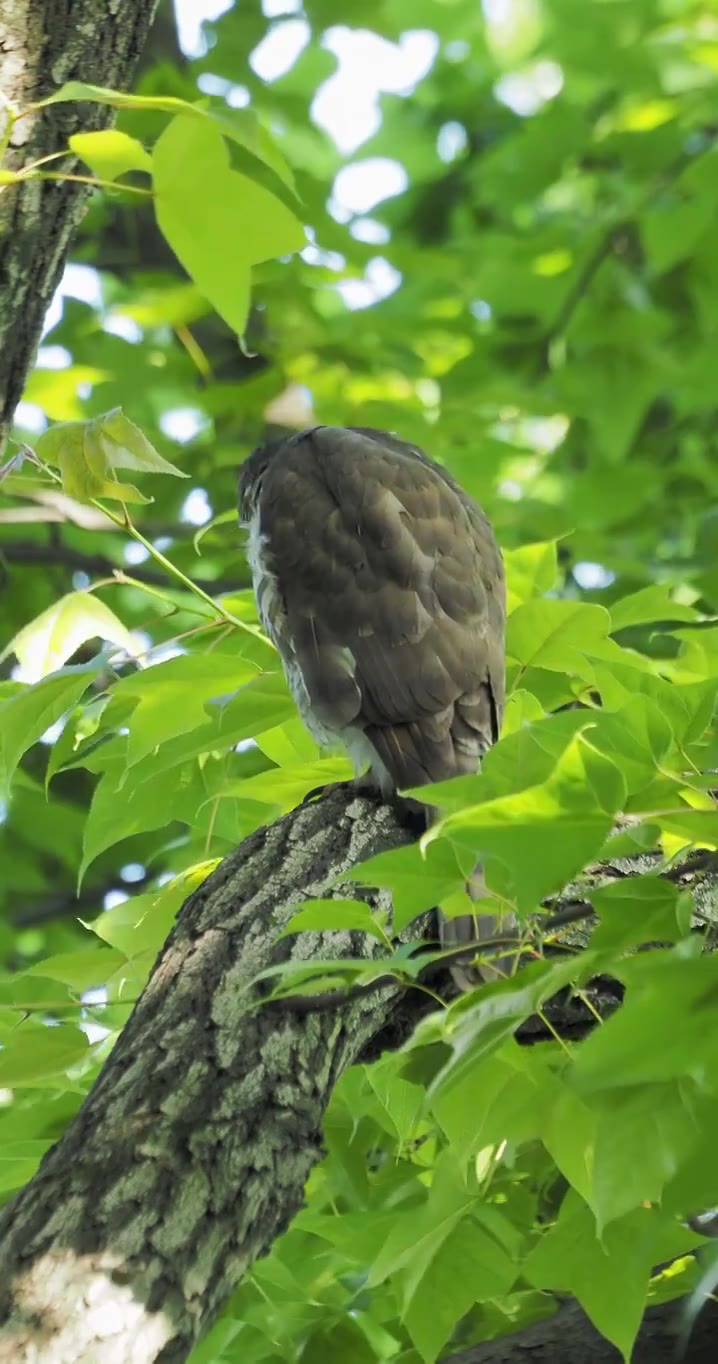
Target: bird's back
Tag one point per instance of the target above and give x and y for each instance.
(385, 594)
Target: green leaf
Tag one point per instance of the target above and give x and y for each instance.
(258, 705)
(110, 153)
(339, 915)
(125, 446)
(650, 604)
(218, 222)
(289, 744)
(638, 738)
(241, 125)
(142, 923)
(468, 1266)
(558, 635)
(225, 518)
(665, 1028)
(437, 1248)
(670, 232)
(522, 708)
(634, 911)
(399, 1102)
(118, 99)
(609, 1277)
(497, 1012)
(286, 787)
(514, 1090)
(88, 453)
(147, 800)
(531, 570)
(25, 717)
(19, 1161)
(82, 970)
(543, 836)
(48, 641)
(172, 697)
(418, 878)
(38, 1055)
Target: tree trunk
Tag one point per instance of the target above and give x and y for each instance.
(191, 1153)
(43, 45)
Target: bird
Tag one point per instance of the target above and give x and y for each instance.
(380, 582)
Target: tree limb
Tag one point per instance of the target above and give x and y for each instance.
(34, 552)
(190, 1155)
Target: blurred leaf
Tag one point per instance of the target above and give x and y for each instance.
(650, 604)
(110, 153)
(19, 1161)
(334, 915)
(48, 641)
(142, 922)
(38, 1055)
(81, 970)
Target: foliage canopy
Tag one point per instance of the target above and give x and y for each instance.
(535, 307)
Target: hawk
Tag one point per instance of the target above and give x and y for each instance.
(381, 585)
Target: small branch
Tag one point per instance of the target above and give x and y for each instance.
(31, 552)
(576, 292)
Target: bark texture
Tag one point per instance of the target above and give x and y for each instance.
(191, 1153)
(43, 45)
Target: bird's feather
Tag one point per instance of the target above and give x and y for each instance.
(381, 584)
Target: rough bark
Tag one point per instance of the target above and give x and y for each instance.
(190, 1155)
(43, 45)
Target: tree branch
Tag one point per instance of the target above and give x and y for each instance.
(33, 552)
(190, 1155)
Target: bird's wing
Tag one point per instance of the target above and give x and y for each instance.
(394, 594)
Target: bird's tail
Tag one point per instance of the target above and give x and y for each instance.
(466, 929)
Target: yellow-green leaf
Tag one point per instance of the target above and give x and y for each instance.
(111, 153)
(217, 221)
(48, 641)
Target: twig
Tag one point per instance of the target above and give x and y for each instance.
(30, 552)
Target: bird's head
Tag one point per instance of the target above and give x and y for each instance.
(251, 478)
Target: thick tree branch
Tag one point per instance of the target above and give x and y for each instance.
(43, 45)
(191, 1153)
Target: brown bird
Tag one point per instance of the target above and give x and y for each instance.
(381, 585)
